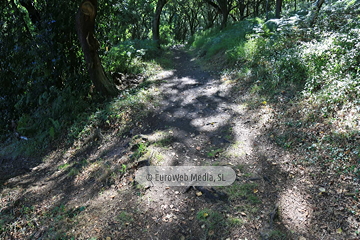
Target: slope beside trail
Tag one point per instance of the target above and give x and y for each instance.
(203, 119)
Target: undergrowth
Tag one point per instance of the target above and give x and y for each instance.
(309, 76)
(62, 116)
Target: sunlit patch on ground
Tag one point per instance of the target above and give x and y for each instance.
(295, 210)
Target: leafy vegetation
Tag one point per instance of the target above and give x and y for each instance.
(213, 221)
(46, 93)
(312, 70)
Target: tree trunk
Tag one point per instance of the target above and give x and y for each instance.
(278, 8)
(85, 24)
(156, 22)
(314, 12)
(225, 10)
(267, 10)
(242, 7)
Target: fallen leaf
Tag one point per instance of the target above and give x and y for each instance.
(242, 213)
(339, 230)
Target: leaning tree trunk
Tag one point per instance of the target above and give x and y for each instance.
(85, 24)
(315, 12)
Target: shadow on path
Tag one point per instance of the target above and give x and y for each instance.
(206, 127)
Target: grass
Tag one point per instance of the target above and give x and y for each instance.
(141, 149)
(28, 220)
(231, 41)
(212, 220)
(214, 153)
(159, 158)
(245, 192)
(164, 142)
(125, 218)
(64, 166)
(235, 221)
(277, 235)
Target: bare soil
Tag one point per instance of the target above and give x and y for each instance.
(203, 119)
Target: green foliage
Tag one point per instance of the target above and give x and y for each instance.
(125, 20)
(125, 218)
(212, 219)
(123, 168)
(214, 152)
(276, 234)
(243, 191)
(41, 73)
(326, 67)
(43, 76)
(316, 69)
(231, 40)
(45, 86)
(125, 56)
(235, 221)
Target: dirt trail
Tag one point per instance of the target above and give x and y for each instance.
(203, 119)
(204, 122)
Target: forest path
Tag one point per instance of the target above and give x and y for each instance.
(212, 120)
(202, 119)
(197, 108)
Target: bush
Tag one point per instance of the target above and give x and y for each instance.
(124, 56)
